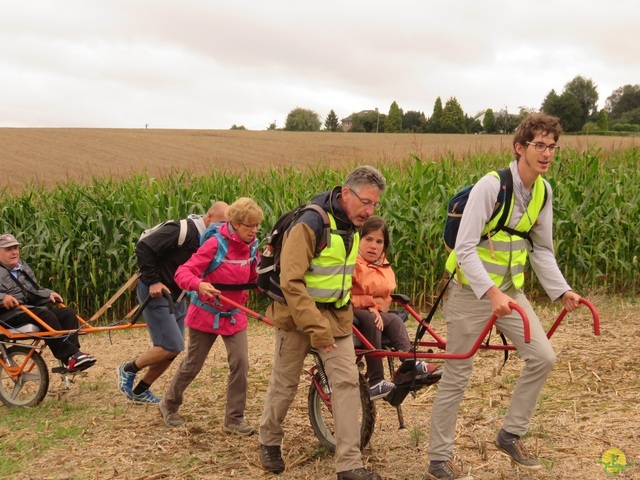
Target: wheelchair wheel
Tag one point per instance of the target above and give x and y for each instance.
(31, 386)
(321, 416)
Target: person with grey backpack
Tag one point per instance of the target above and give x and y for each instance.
(160, 252)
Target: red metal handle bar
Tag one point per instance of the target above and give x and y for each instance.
(246, 310)
(594, 313)
(368, 346)
(484, 333)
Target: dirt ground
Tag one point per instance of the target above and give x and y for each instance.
(591, 404)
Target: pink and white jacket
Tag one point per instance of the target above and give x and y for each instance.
(189, 275)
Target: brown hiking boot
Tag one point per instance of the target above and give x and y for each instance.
(358, 474)
(271, 458)
(242, 428)
(446, 471)
(515, 450)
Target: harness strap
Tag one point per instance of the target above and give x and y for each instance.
(207, 307)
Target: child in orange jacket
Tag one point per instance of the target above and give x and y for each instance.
(373, 283)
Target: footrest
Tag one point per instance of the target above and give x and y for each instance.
(406, 375)
(398, 394)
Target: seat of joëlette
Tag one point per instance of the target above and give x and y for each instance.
(385, 341)
(28, 328)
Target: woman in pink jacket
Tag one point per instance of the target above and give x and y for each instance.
(208, 318)
(373, 284)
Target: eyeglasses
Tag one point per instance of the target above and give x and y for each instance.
(541, 147)
(251, 227)
(366, 203)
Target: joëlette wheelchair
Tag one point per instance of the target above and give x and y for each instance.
(24, 374)
(425, 347)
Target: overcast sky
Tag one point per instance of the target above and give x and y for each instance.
(210, 63)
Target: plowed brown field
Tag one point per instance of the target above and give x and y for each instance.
(47, 156)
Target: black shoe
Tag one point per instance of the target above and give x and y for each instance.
(80, 361)
(515, 450)
(271, 458)
(446, 471)
(358, 474)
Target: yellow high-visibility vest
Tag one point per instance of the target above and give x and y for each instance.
(502, 253)
(329, 277)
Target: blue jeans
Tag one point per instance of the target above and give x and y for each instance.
(165, 329)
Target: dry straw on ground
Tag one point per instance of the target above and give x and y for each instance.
(590, 404)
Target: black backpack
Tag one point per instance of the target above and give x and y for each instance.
(458, 203)
(269, 269)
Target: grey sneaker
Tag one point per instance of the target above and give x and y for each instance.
(271, 458)
(171, 420)
(241, 428)
(381, 390)
(446, 471)
(516, 451)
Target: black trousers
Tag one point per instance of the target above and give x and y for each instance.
(58, 319)
(394, 330)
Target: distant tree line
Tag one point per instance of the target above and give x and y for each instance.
(576, 107)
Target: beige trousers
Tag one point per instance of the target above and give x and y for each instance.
(466, 316)
(200, 343)
(291, 348)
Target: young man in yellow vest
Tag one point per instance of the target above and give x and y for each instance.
(489, 274)
(318, 314)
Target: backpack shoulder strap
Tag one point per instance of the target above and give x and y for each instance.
(504, 195)
(183, 232)
(221, 253)
(325, 240)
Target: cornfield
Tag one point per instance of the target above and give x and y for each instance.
(80, 238)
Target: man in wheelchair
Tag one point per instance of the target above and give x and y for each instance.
(19, 287)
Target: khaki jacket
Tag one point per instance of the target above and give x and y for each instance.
(321, 323)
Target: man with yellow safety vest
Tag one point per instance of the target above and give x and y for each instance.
(488, 269)
(318, 314)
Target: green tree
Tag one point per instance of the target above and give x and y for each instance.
(237, 127)
(473, 124)
(567, 108)
(506, 122)
(622, 100)
(586, 92)
(393, 122)
(631, 117)
(367, 121)
(523, 113)
(434, 123)
(453, 119)
(603, 120)
(489, 121)
(331, 122)
(413, 121)
(357, 125)
(302, 120)
(272, 126)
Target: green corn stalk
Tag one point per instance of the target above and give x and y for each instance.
(80, 238)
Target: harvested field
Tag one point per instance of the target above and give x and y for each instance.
(47, 156)
(589, 405)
